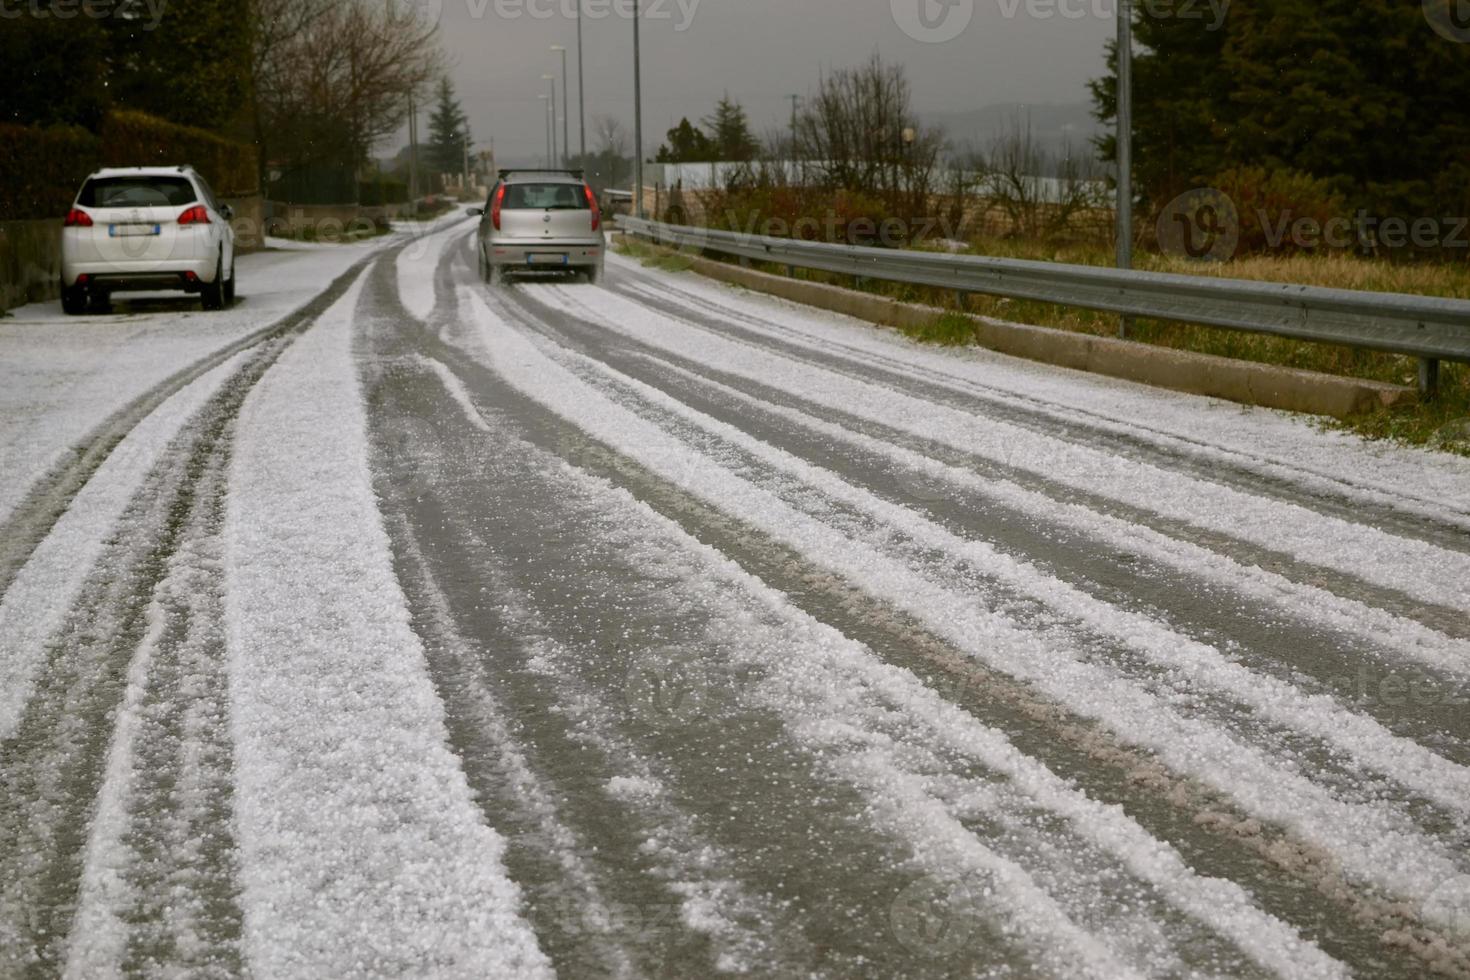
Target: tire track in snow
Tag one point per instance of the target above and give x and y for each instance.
(669, 903)
(1259, 612)
(159, 892)
(1179, 666)
(1295, 541)
(1424, 518)
(511, 352)
(37, 513)
(53, 760)
(499, 338)
(361, 847)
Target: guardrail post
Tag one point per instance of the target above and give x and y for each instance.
(961, 300)
(1428, 378)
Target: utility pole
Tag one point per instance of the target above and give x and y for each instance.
(1125, 144)
(566, 115)
(464, 142)
(637, 111)
(544, 98)
(581, 86)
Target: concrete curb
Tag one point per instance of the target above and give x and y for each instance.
(1246, 382)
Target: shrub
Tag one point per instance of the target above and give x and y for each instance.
(1270, 203)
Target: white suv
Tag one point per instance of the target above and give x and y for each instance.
(146, 228)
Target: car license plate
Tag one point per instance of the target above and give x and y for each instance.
(132, 231)
(547, 258)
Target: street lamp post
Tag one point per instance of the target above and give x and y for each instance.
(551, 79)
(637, 111)
(547, 99)
(566, 115)
(1125, 143)
(581, 87)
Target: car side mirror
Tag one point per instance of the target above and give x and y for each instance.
(475, 212)
(227, 212)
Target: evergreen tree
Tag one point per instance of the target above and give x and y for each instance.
(449, 132)
(729, 132)
(191, 65)
(1359, 93)
(686, 145)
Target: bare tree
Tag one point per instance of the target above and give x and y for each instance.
(1040, 193)
(333, 77)
(612, 166)
(860, 133)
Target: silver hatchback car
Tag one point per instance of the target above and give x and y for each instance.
(540, 221)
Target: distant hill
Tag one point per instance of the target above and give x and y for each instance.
(1052, 126)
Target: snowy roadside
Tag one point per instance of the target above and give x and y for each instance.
(61, 376)
(361, 847)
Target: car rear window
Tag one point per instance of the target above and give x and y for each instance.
(545, 197)
(137, 192)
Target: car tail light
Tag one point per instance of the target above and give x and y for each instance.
(596, 211)
(77, 218)
(196, 215)
(496, 206)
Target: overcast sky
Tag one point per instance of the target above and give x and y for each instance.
(761, 51)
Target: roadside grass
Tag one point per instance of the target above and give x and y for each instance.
(1421, 424)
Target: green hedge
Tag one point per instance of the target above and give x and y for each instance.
(134, 139)
(41, 170)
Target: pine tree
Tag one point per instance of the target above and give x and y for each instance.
(686, 144)
(449, 132)
(1359, 93)
(729, 132)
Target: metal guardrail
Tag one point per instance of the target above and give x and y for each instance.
(1429, 328)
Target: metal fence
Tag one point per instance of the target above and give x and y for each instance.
(1428, 328)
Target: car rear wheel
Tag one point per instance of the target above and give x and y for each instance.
(74, 300)
(594, 275)
(213, 294)
(230, 285)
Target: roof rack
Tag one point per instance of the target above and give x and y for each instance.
(579, 174)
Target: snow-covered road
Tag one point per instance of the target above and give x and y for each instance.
(391, 625)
